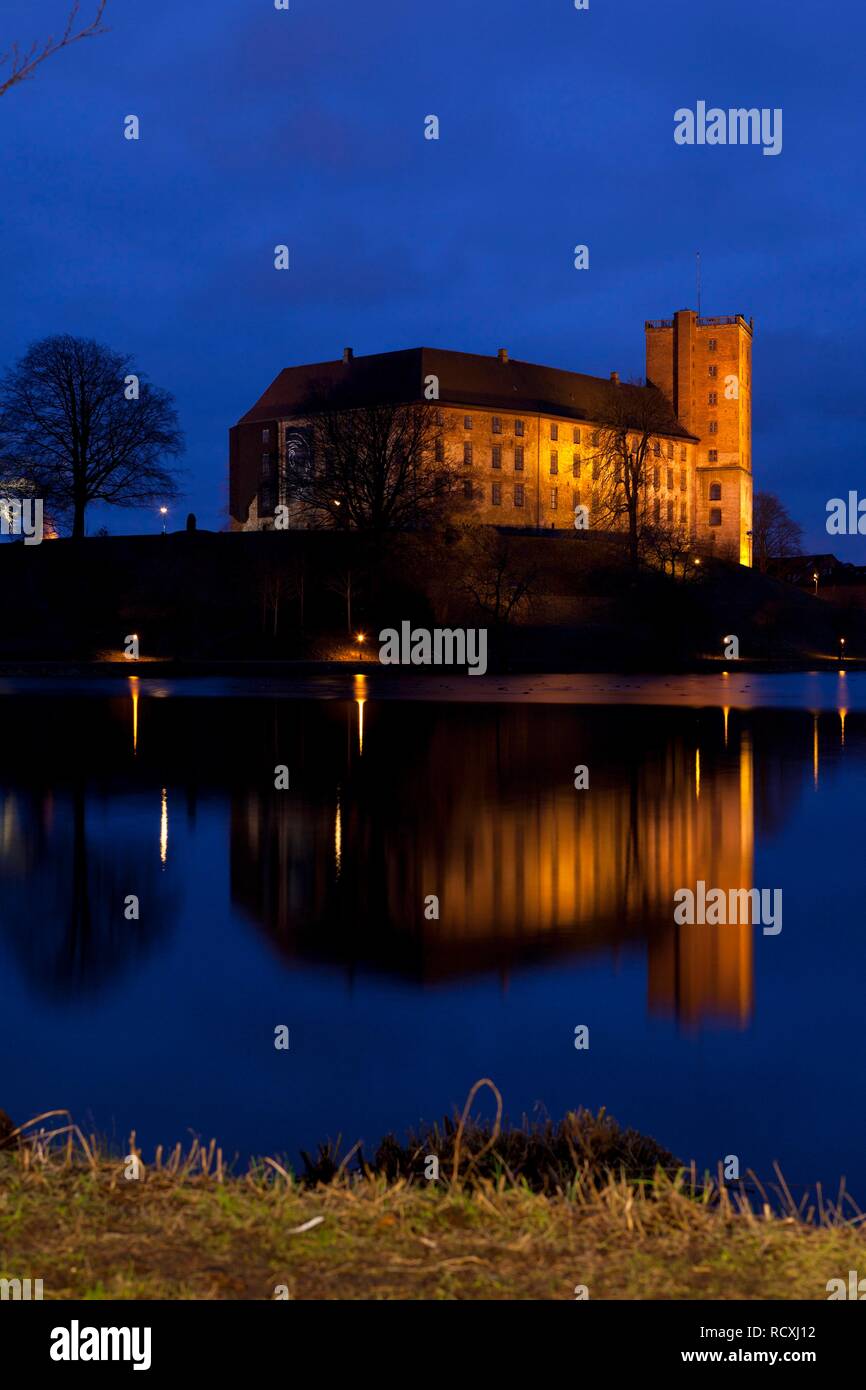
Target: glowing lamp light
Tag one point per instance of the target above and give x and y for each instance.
(360, 638)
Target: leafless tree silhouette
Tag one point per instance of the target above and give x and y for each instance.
(24, 64)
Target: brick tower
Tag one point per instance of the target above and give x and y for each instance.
(704, 366)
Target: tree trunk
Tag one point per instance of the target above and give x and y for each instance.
(78, 520)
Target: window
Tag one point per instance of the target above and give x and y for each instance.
(714, 372)
(670, 511)
(496, 495)
(467, 422)
(682, 453)
(467, 452)
(440, 450)
(266, 500)
(670, 480)
(713, 455)
(518, 458)
(518, 494)
(554, 498)
(657, 510)
(595, 437)
(577, 434)
(682, 513)
(440, 418)
(684, 480)
(496, 424)
(554, 460)
(715, 516)
(715, 492)
(670, 451)
(518, 428)
(554, 431)
(713, 398)
(575, 464)
(266, 465)
(713, 427)
(497, 456)
(657, 448)
(266, 436)
(656, 477)
(467, 489)
(595, 470)
(712, 344)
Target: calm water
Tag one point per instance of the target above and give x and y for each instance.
(306, 907)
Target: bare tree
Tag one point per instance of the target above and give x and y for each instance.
(634, 422)
(24, 65)
(81, 426)
(774, 531)
(495, 575)
(374, 467)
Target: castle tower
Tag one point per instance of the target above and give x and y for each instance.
(704, 366)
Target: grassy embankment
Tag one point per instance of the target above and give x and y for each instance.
(522, 1214)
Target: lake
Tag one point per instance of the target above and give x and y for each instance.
(305, 907)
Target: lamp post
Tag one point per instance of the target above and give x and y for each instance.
(749, 535)
(841, 648)
(163, 511)
(815, 577)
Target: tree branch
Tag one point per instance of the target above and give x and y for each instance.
(24, 65)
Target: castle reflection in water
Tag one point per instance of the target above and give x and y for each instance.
(478, 806)
(391, 802)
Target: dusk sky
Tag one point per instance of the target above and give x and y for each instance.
(306, 127)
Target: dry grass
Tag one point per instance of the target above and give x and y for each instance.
(187, 1228)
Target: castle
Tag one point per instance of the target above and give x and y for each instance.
(523, 435)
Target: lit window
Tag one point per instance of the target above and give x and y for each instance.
(496, 494)
(554, 460)
(715, 492)
(713, 455)
(714, 372)
(518, 458)
(715, 516)
(554, 431)
(497, 456)
(518, 494)
(497, 424)
(554, 498)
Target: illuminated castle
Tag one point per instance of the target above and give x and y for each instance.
(522, 437)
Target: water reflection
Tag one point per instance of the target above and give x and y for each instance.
(390, 803)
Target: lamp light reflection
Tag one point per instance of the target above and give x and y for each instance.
(133, 690)
(163, 828)
(360, 686)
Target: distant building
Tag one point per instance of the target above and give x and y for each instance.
(522, 435)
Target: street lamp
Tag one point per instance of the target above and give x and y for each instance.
(841, 648)
(815, 577)
(163, 511)
(749, 535)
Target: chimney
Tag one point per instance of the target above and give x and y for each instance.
(503, 354)
(348, 354)
(614, 376)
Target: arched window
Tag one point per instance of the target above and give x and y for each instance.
(715, 492)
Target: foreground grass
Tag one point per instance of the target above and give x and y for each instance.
(189, 1230)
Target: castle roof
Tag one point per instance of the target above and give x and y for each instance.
(465, 379)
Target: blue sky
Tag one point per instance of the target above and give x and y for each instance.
(306, 127)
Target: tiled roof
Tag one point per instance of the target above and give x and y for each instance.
(465, 379)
